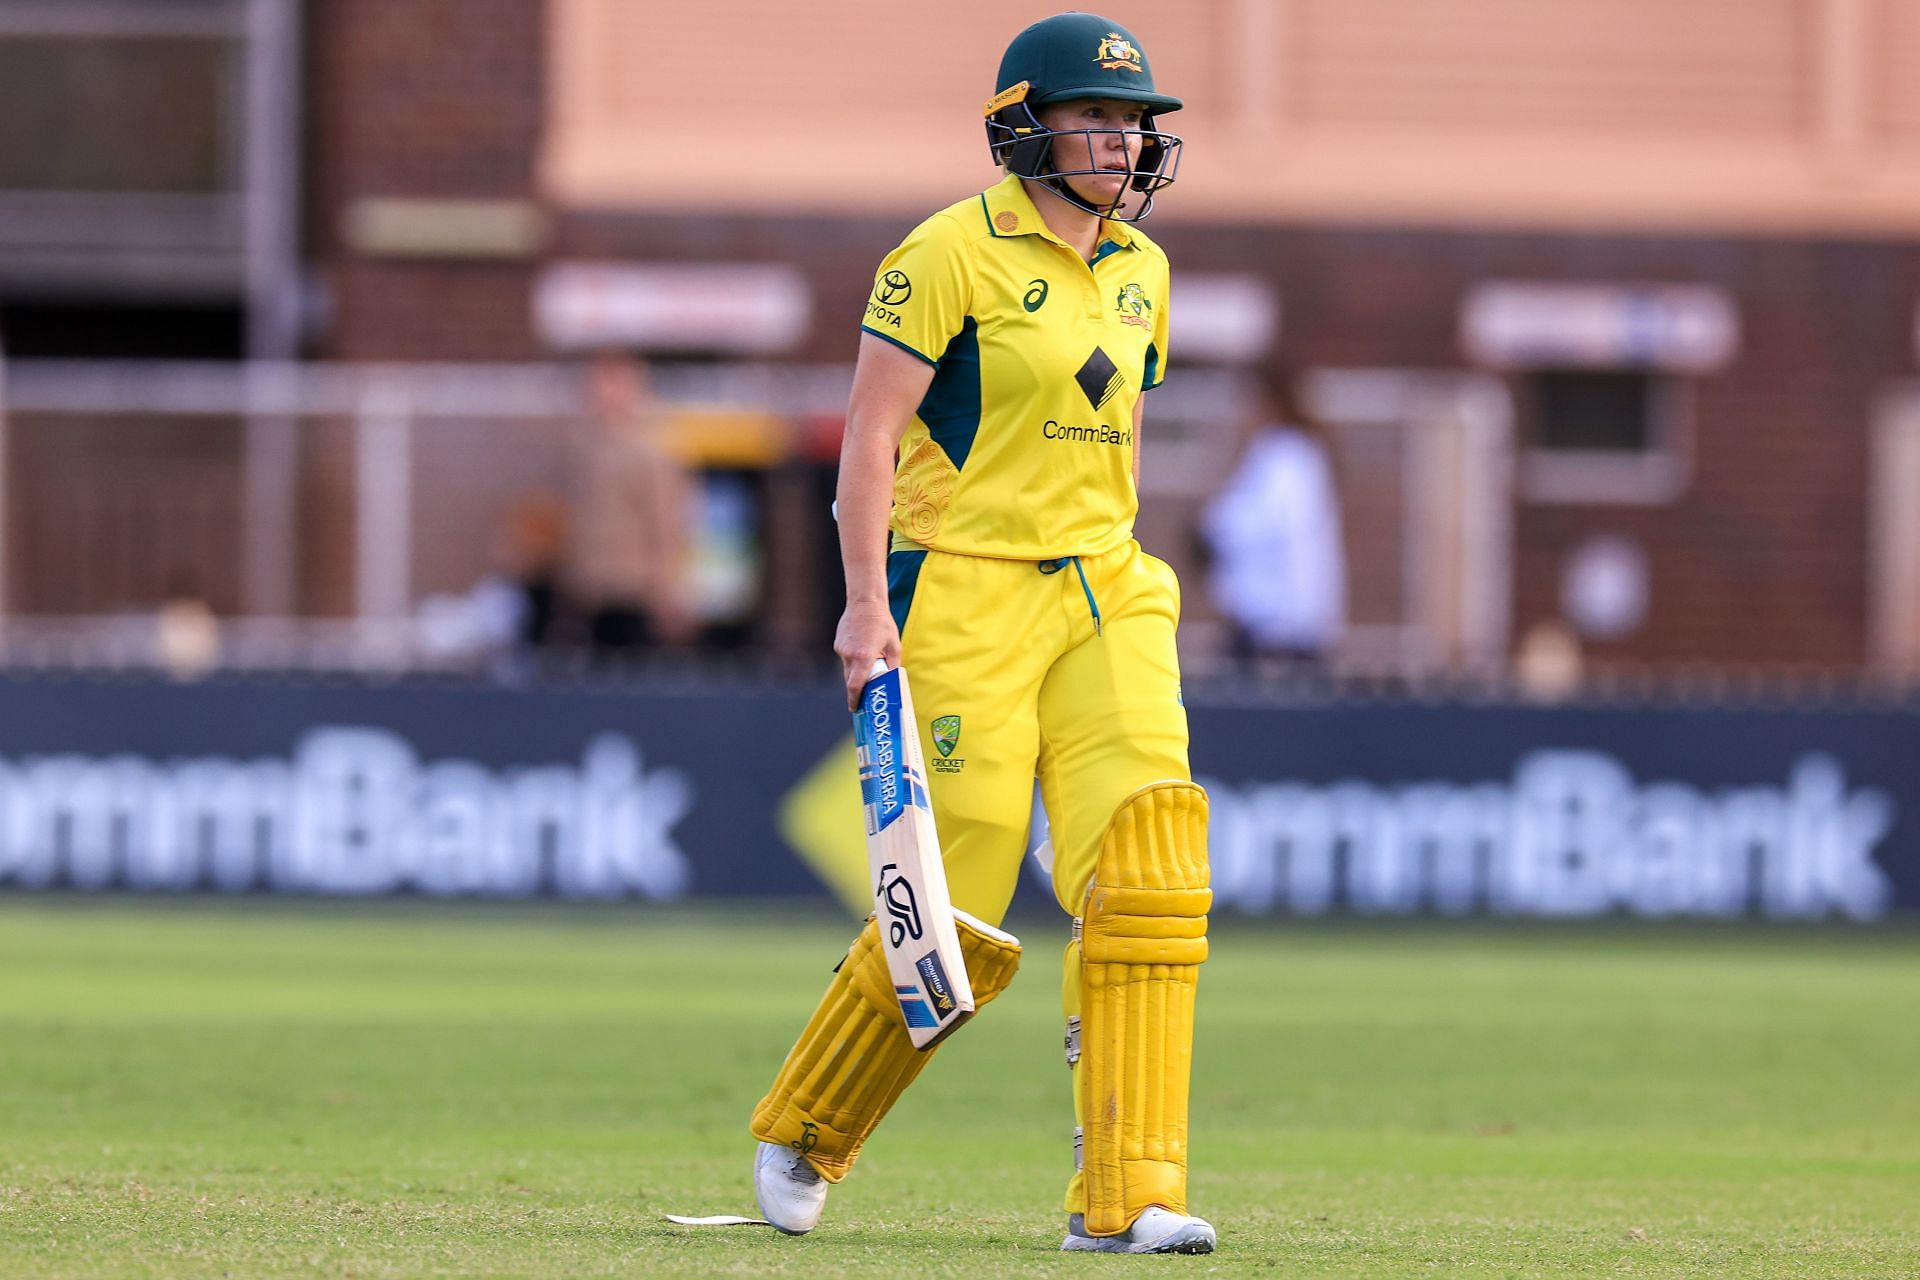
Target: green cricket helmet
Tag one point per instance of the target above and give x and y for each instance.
(1073, 56)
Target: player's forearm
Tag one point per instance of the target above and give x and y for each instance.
(865, 500)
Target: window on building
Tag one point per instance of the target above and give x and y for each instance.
(125, 132)
(1604, 435)
(1594, 411)
(1602, 375)
(102, 330)
(118, 115)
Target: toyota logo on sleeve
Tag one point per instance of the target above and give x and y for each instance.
(892, 289)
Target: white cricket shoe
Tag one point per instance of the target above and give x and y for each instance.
(1156, 1230)
(791, 1191)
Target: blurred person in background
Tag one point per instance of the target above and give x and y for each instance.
(988, 487)
(1548, 664)
(186, 633)
(532, 557)
(517, 609)
(1279, 574)
(626, 551)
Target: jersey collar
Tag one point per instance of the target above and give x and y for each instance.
(1009, 211)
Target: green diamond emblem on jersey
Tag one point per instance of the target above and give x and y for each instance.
(946, 734)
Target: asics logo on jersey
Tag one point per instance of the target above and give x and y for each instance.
(1036, 295)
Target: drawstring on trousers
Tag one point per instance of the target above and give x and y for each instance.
(1055, 566)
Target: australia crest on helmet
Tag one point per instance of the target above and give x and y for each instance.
(1116, 53)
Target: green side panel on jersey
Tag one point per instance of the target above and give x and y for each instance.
(1152, 379)
(903, 577)
(951, 407)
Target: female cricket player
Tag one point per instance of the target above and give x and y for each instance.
(987, 492)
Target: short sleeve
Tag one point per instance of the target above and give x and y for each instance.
(922, 291)
(1156, 371)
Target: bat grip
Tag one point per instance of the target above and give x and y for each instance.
(879, 668)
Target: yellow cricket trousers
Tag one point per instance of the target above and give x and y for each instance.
(1064, 670)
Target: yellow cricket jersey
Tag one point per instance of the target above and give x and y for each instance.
(1023, 445)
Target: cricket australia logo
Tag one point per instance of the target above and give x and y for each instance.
(1134, 307)
(903, 909)
(1117, 53)
(946, 740)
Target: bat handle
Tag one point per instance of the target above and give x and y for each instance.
(879, 668)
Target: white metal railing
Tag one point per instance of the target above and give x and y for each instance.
(1446, 445)
(418, 458)
(417, 450)
(1894, 534)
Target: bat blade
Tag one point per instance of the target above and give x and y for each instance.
(909, 878)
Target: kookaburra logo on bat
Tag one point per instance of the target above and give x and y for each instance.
(898, 895)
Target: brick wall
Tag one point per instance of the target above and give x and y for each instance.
(421, 98)
(1763, 558)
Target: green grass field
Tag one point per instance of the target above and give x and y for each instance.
(194, 1089)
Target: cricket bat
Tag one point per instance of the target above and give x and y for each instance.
(903, 854)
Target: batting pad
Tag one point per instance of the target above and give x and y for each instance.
(1142, 938)
(854, 1059)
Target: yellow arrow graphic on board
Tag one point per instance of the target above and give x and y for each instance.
(824, 821)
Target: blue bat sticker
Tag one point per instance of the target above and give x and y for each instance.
(887, 785)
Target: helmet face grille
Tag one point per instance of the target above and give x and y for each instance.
(1017, 139)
